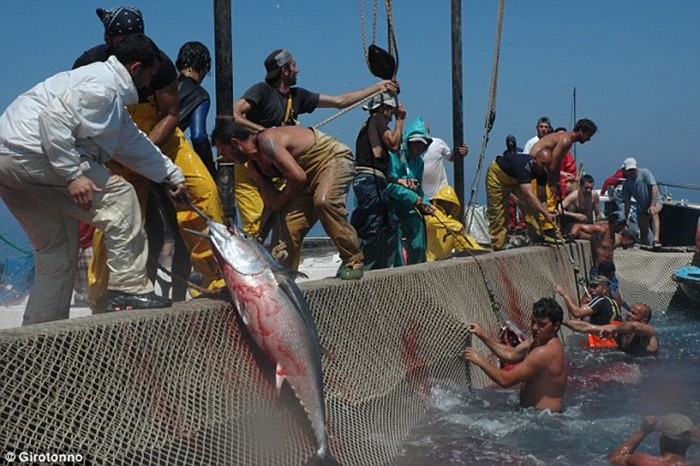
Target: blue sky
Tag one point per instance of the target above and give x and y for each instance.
(634, 64)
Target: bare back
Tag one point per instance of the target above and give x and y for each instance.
(602, 240)
(545, 388)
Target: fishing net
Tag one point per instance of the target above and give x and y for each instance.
(645, 276)
(187, 385)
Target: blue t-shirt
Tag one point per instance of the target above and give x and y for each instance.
(639, 188)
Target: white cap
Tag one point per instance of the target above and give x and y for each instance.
(629, 163)
(382, 99)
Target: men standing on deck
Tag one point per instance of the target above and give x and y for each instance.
(549, 151)
(374, 218)
(641, 185)
(278, 102)
(541, 367)
(54, 140)
(514, 173)
(156, 114)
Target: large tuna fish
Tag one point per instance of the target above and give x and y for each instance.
(277, 317)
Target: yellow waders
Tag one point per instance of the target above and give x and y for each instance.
(202, 191)
(499, 186)
(443, 230)
(248, 200)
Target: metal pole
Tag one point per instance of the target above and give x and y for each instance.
(224, 96)
(457, 113)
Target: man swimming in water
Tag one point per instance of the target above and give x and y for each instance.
(634, 336)
(677, 433)
(541, 367)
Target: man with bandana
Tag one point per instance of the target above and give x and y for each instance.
(277, 101)
(55, 139)
(156, 114)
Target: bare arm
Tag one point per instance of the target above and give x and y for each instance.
(530, 366)
(503, 352)
(578, 312)
(392, 139)
(596, 207)
(349, 98)
(530, 198)
(240, 109)
(637, 328)
(654, 195)
(582, 327)
(168, 110)
(624, 453)
(584, 231)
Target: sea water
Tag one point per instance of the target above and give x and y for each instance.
(608, 394)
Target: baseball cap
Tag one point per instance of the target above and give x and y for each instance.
(599, 280)
(677, 427)
(378, 100)
(629, 163)
(275, 61)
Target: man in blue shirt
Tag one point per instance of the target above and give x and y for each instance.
(640, 184)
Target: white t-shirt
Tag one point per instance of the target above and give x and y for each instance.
(434, 174)
(531, 142)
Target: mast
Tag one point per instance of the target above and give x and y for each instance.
(224, 96)
(457, 110)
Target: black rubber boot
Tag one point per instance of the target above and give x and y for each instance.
(120, 301)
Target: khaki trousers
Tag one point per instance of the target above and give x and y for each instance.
(39, 199)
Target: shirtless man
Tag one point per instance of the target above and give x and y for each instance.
(604, 236)
(317, 170)
(541, 362)
(551, 149)
(583, 204)
(634, 336)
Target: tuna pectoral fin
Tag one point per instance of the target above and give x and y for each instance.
(242, 310)
(279, 378)
(284, 274)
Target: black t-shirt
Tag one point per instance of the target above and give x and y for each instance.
(269, 105)
(166, 74)
(371, 135)
(519, 166)
(605, 310)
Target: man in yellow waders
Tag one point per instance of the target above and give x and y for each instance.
(156, 114)
(444, 232)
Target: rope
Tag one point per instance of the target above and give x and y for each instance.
(14, 246)
(495, 305)
(393, 50)
(345, 110)
(491, 108)
(681, 185)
